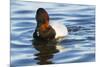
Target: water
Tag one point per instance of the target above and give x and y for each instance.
(79, 46)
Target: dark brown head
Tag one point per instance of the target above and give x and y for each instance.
(42, 19)
(42, 16)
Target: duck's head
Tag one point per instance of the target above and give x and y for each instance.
(42, 17)
(43, 29)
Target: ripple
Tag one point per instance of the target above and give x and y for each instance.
(23, 12)
(24, 18)
(68, 60)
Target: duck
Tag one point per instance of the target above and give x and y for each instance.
(46, 30)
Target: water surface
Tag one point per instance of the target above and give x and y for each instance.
(79, 46)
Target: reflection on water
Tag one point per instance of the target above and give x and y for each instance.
(46, 50)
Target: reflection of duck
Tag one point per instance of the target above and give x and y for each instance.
(46, 30)
(46, 49)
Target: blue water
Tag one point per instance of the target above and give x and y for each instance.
(79, 46)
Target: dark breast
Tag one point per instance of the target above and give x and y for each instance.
(47, 34)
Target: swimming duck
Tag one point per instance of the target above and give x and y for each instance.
(47, 30)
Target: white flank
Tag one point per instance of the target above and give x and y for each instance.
(60, 28)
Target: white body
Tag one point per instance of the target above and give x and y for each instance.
(60, 29)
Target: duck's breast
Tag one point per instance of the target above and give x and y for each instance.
(60, 29)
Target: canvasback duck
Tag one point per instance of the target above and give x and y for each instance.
(48, 30)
